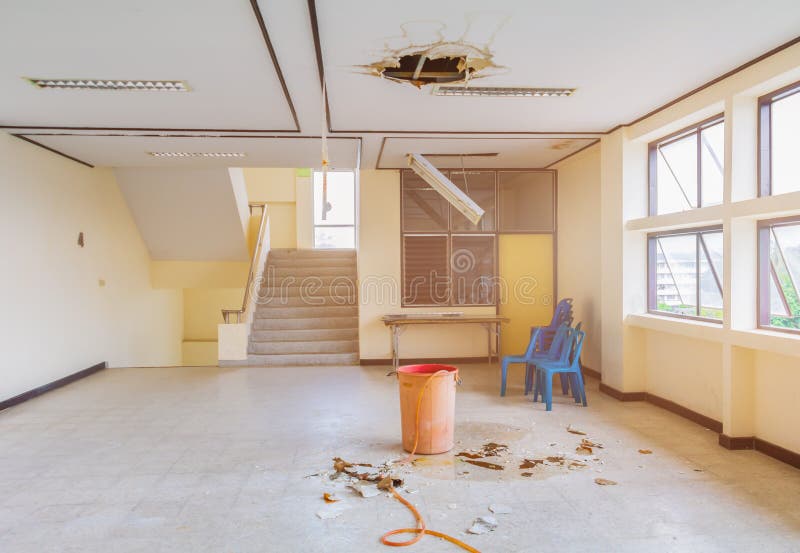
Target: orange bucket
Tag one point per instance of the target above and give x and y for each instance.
(437, 407)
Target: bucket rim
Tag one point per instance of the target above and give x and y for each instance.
(425, 369)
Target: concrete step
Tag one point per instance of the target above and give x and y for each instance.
(302, 359)
(280, 272)
(289, 335)
(266, 311)
(336, 289)
(315, 346)
(313, 281)
(324, 261)
(285, 300)
(307, 323)
(313, 254)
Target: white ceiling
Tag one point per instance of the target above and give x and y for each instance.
(512, 153)
(260, 151)
(625, 58)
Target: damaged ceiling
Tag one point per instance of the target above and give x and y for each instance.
(261, 76)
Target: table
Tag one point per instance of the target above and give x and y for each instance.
(398, 323)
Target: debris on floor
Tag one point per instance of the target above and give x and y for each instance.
(572, 430)
(330, 498)
(483, 524)
(645, 452)
(604, 482)
(485, 464)
(500, 509)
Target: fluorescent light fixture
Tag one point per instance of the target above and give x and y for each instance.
(107, 84)
(502, 92)
(445, 187)
(196, 154)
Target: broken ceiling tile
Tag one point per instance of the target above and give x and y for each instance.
(604, 482)
(572, 430)
(484, 524)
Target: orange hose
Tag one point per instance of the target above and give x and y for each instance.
(421, 529)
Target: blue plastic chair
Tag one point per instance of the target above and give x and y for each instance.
(531, 355)
(569, 365)
(562, 314)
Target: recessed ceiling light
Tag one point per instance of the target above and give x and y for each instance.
(104, 84)
(502, 92)
(196, 154)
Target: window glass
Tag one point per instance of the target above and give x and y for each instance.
(526, 201)
(341, 198)
(685, 274)
(334, 237)
(472, 270)
(710, 275)
(785, 144)
(688, 169)
(712, 163)
(676, 274)
(677, 175)
(478, 185)
(784, 276)
(334, 210)
(424, 209)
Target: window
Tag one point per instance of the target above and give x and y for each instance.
(686, 168)
(448, 260)
(779, 273)
(779, 141)
(335, 210)
(685, 273)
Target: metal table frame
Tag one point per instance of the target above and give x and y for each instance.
(492, 324)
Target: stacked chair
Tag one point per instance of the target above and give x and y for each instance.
(553, 349)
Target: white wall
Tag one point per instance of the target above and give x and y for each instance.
(188, 214)
(57, 317)
(579, 245)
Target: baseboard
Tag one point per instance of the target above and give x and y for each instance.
(420, 360)
(30, 394)
(777, 452)
(620, 395)
(729, 442)
(736, 442)
(684, 412)
(590, 372)
(670, 406)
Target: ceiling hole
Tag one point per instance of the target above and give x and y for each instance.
(419, 70)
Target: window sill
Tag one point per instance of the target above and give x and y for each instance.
(784, 343)
(692, 328)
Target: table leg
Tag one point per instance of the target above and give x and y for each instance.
(395, 347)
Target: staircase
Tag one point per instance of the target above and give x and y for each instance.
(307, 312)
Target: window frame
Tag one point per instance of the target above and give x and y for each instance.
(496, 233)
(314, 224)
(765, 273)
(652, 257)
(652, 161)
(765, 134)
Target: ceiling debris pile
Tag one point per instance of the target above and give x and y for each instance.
(349, 483)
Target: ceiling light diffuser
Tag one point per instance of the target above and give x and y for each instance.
(104, 84)
(445, 187)
(196, 154)
(502, 92)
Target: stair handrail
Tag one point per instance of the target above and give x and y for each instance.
(257, 263)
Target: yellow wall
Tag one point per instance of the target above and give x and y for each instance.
(266, 185)
(526, 268)
(282, 225)
(777, 396)
(59, 317)
(198, 274)
(579, 245)
(685, 370)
